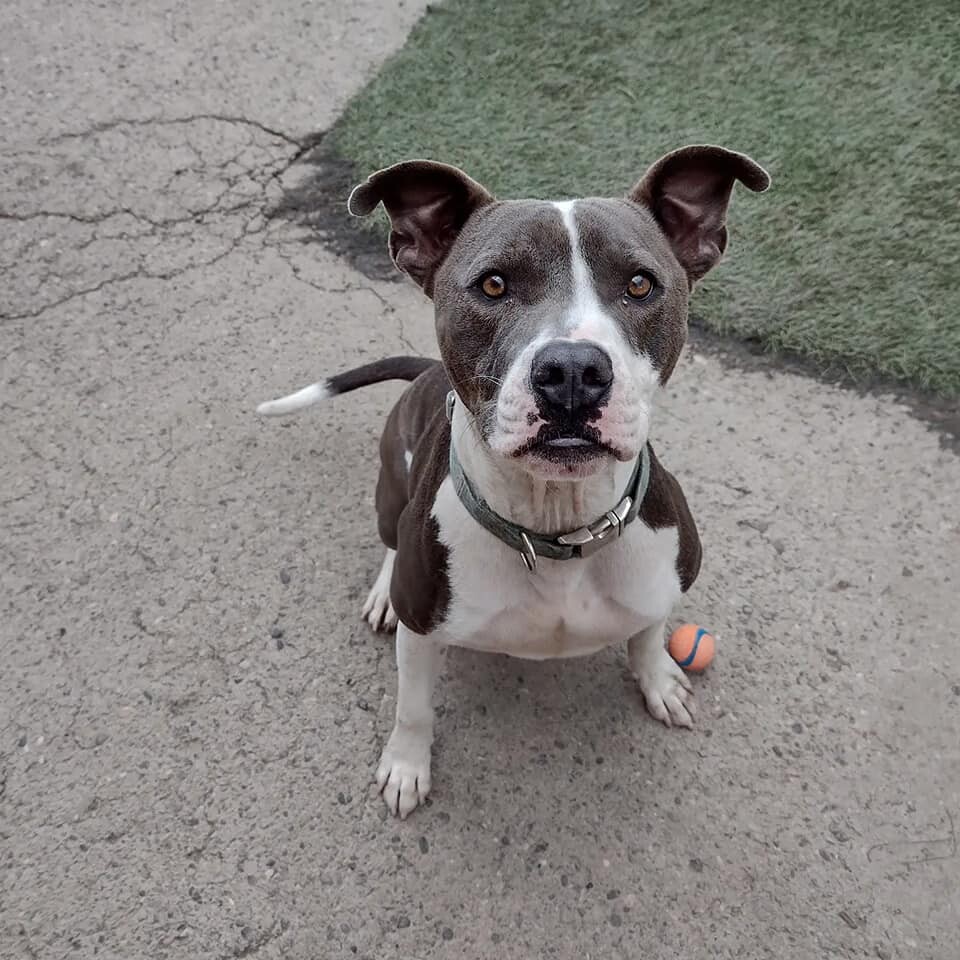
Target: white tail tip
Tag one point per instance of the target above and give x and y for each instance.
(306, 397)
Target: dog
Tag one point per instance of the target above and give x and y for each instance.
(521, 504)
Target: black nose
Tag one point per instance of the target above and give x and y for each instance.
(569, 375)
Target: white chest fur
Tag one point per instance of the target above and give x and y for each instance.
(565, 608)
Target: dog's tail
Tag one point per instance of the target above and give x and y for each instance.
(392, 368)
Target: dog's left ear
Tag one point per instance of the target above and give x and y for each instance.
(428, 203)
(688, 192)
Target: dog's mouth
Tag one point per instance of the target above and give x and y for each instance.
(566, 445)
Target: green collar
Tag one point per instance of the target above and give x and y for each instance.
(578, 543)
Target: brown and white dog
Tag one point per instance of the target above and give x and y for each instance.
(558, 323)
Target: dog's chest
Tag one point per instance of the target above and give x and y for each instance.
(563, 609)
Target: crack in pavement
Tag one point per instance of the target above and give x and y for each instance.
(261, 177)
(166, 122)
(388, 308)
(138, 274)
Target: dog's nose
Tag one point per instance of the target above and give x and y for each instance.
(569, 375)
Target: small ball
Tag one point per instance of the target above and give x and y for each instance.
(692, 647)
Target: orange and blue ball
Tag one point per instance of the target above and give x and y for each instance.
(692, 647)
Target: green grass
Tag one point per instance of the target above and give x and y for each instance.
(851, 259)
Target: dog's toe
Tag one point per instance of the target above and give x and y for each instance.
(667, 691)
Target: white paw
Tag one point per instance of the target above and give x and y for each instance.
(378, 610)
(666, 689)
(403, 776)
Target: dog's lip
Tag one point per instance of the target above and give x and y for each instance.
(566, 448)
(566, 441)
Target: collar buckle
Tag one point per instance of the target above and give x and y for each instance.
(602, 531)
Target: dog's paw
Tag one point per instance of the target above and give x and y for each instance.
(666, 689)
(378, 610)
(403, 775)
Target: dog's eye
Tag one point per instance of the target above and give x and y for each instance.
(640, 287)
(493, 286)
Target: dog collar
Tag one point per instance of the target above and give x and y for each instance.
(577, 543)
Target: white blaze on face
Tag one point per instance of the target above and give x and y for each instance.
(624, 422)
(585, 318)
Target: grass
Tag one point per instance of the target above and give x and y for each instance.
(850, 260)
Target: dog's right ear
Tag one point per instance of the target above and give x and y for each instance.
(428, 203)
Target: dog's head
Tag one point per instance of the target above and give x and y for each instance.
(558, 322)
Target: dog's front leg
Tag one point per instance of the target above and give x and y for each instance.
(664, 685)
(403, 775)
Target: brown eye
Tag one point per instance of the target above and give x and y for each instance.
(493, 286)
(640, 287)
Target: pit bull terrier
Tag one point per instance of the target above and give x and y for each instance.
(522, 507)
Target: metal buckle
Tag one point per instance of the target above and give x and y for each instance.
(527, 554)
(608, 528)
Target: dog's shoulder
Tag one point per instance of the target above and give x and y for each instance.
(419, 438)
(407, 425)
(665, 506)
(417, 408)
